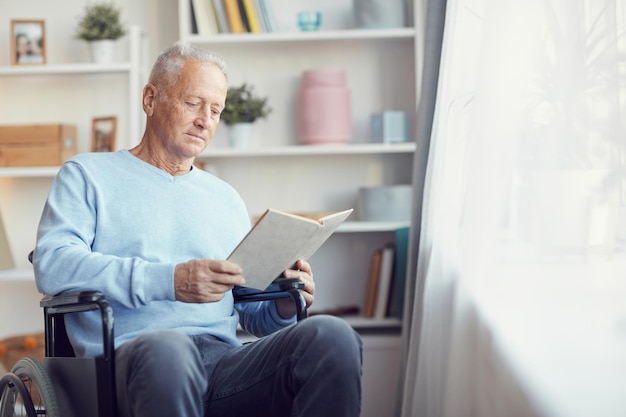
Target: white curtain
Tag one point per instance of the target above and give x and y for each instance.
(520, 294)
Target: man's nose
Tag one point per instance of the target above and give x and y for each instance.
(203, 118)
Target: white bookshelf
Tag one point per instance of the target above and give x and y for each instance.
(129, 71)
(23, 189)
(382, 68)
(276, 171)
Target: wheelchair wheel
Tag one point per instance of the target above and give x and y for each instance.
(27, 391)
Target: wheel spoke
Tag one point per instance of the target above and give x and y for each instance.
(27, 391)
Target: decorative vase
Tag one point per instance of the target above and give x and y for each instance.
(376, 14)
(102, 51)
(240, 135)
(324, 108)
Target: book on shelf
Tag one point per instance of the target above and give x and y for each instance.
(205, 18)
(277, 240)
(220, 14)
(267, 12)
(244, 17)
(369, 305)
(398, 282)
(379, 282)
(254, 26)
(233, 15)
(6, 256)
(210, 17)
(260, 16)
(384, 281)
(384, 293)
(193, 27)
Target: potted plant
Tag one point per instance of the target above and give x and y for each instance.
(242, 109)
(101, 26)
(242, 106)
(569, 178)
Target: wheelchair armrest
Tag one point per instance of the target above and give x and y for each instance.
(72, 301)
(56, 306)
(286, 284)
(280, 288)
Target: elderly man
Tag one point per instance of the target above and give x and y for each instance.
(152, 232)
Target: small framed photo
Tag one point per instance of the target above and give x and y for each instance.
(103, 131)
(28, 42)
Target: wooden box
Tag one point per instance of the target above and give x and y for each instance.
(36, 145)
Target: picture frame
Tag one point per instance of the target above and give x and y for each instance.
(103, 134)
(28, 42)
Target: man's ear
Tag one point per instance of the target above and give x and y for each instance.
(150, 94)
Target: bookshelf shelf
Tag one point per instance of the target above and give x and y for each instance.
(28, 172)
(369, 227)
(67, 69)
(11, 275)
(319, 150)
(325, 35)
(362, 323)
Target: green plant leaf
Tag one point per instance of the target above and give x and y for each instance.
(242, 106)
(100, 21)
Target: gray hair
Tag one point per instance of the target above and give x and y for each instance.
(167, 68)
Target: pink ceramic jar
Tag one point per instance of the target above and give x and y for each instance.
(324, 108)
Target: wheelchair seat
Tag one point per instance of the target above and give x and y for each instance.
(67, 386)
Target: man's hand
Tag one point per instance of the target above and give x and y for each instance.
(205, 281)
(285, 306)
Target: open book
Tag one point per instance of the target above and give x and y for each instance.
(278, 240)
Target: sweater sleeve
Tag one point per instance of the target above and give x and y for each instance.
(261, 318)
(63, 258)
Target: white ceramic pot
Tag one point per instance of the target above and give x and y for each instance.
(102, 51)
(240, 135)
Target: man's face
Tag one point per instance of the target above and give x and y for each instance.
(186, 120)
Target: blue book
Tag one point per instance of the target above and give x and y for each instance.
(220, 12)
(244, 17)
(396, 302)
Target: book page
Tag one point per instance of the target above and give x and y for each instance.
(278, 240)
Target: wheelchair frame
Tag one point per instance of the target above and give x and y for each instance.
(75, 387)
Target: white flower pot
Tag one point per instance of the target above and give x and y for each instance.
(102, 51)
(240, 135)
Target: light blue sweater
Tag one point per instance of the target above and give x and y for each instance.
(117, 224)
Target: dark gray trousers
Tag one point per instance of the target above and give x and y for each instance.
(309, 369)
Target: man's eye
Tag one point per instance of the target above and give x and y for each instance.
(192, 105)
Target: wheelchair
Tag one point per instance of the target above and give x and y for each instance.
(67, 386)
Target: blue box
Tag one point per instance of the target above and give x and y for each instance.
(389, 127)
